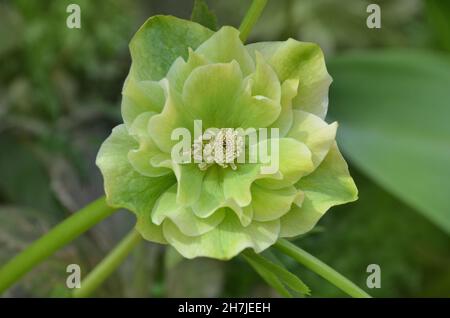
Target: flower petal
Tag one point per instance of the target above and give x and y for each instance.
(302, 61)
(228, 101)
(237, 183)
(172, 116)
(180, 70)
(294, 162)
(148, 230)
(270, 204)
(183, 217)
(226, 240)
(254, 111)
(159, 41)
(124, 187)
(189, 179)
(225, 46)
(212, 194)
(212, 197)
(315, 133)
(141, 157)
(286, 118)
(209, 94)
(330, 184)
(139, 97)
(265, 80)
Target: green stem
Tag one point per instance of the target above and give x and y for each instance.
(110, 263)
(251, 18)
(320, 268)
(56, 238)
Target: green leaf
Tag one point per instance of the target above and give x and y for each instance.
(269, 277)
(201, 14)
(282, 274)
(158, 42)
(393, 110)
(438, 13)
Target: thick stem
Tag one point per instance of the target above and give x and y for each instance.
(320, 268)
(251, 17)
(108, 265)
(56, 238)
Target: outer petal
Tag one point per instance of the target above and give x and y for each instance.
(126, 188)
(150, 231)
(225, 241)
(225, 46)
(159, 41)
(315, 133)
(302, 61)
(330, 184)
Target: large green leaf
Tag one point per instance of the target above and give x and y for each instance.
(438, 13)
(393, 109)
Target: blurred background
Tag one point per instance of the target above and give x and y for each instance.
(60, 97)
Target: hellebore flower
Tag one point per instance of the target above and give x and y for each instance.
(182, 72)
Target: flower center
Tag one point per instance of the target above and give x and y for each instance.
(221, 146)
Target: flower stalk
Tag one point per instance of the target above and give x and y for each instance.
(320, 268)
(251, 17)
(108, 265)
(55, 239)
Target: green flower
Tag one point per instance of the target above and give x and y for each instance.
(182, 72)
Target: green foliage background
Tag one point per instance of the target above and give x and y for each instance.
(60, 96)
